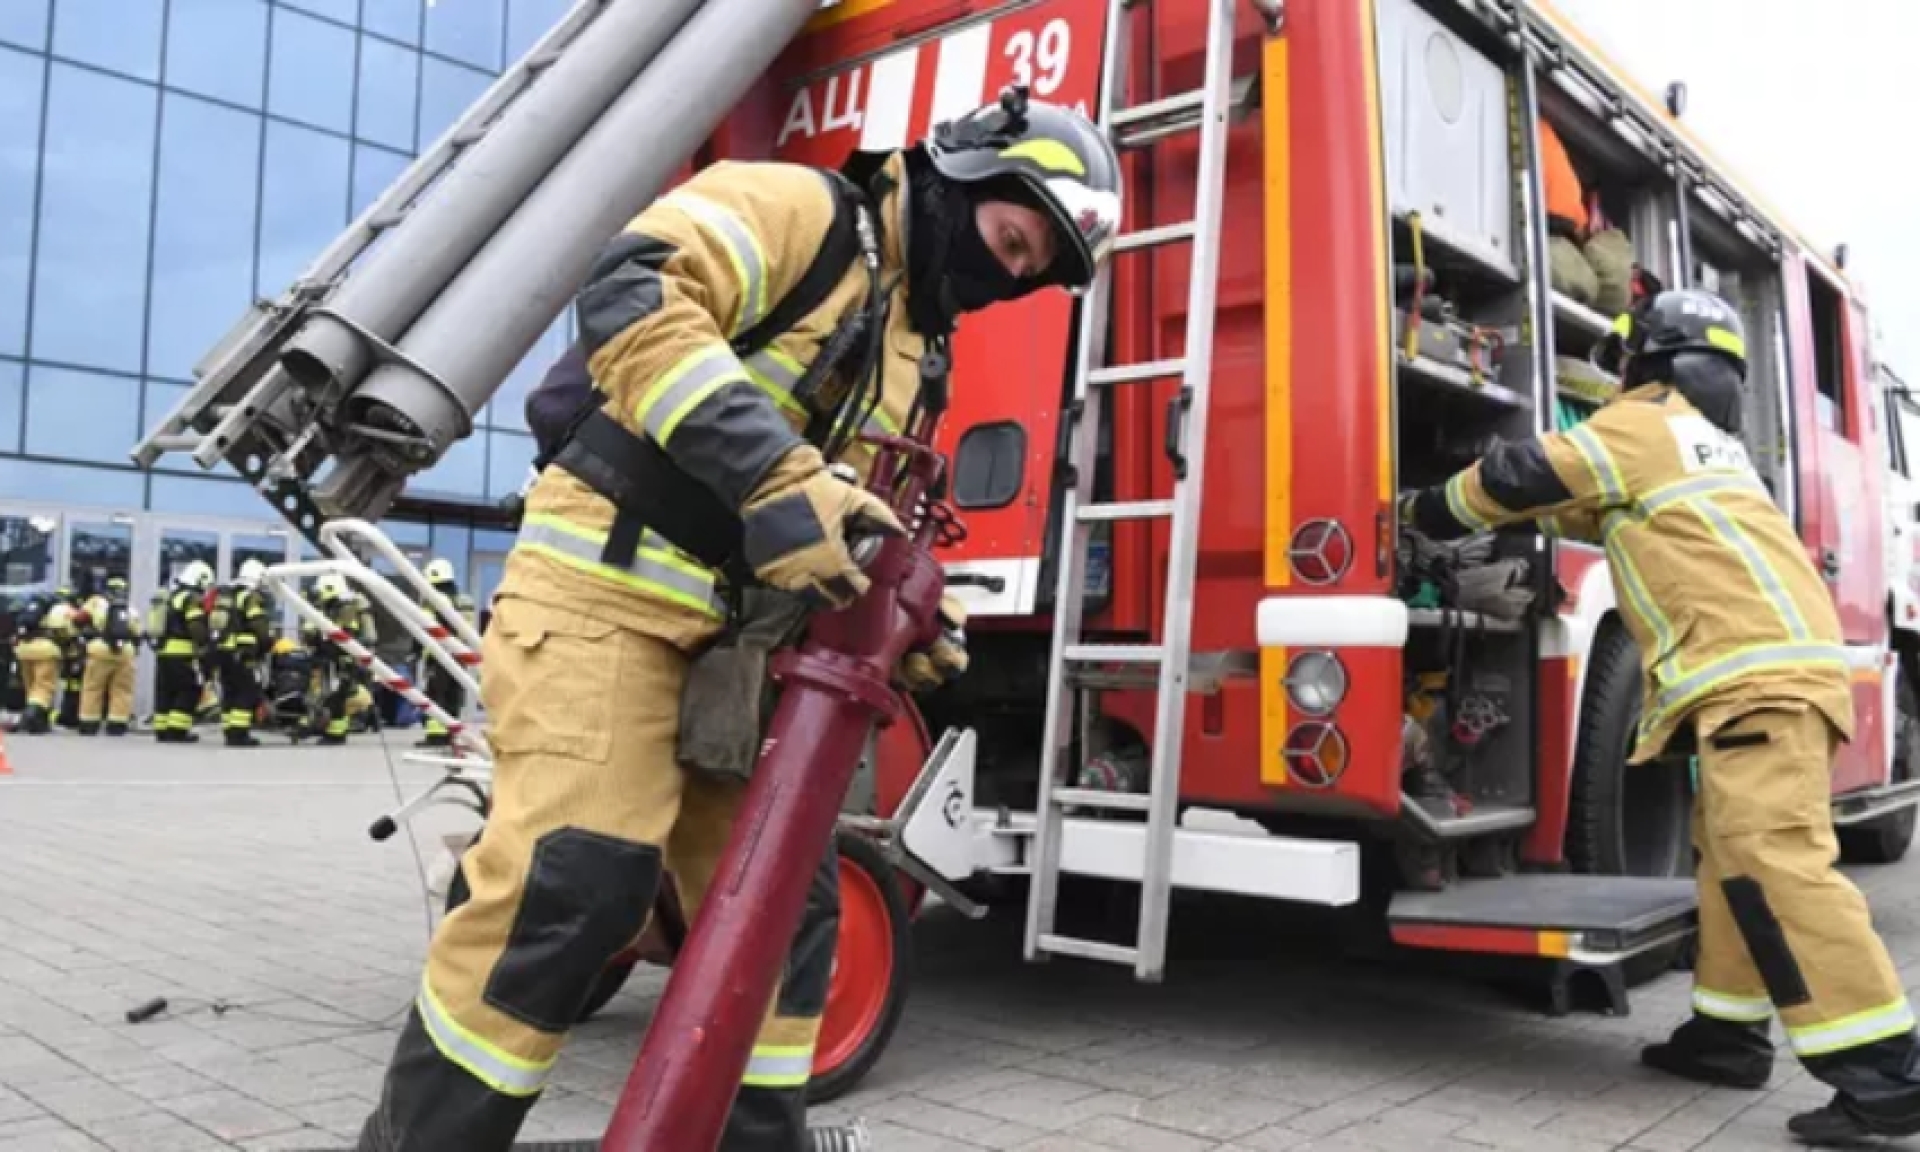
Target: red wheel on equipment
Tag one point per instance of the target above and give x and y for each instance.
(872, 967)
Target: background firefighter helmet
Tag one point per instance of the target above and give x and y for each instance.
(438, 571)
(331, 586)
(251, 573)
(195, 575)
(1059, 156)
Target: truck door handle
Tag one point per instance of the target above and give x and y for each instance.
(1830, 563)
(1177, 408)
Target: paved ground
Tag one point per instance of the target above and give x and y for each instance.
(129, 871)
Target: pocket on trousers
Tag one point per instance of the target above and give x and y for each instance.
(1765, 770)
(549, 682)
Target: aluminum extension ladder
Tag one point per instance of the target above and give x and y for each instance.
(1207, 110)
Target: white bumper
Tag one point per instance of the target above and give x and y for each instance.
(1332, 622)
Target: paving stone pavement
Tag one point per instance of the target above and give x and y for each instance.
(130, 870)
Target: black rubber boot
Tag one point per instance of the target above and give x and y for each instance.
(331, 739)
(115, 728)
(89, 727)
(1876, 1093)
(241, 738)
(1844, 1123)
(1717, 1052)
(35, 723)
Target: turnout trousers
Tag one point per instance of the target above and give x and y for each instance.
(444, 690)
(1781, 929)
(590, 809)
(176, 695)
(107, 689)
(239, 688)
(40, 675)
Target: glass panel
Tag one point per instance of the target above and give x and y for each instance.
(161, 397)
(206, 496)
(467, 30)
(26, 555)
(394, 19)
(218, 48)
(407, 533)
(303, 202)
(312, 74)
(94, 204)
(97, 553)
(508, 408)
(341, 10)
(528, 20)
(454, 541)
(180, 547)
(269, 550)
(12, 387)
(488, 570)
(374, 171)
(95, 487)
(203, 242)
(81, 415)
(508, 466)
(24, 22)
(123, 35)
(445, 92)
(461, 472)
(389, 84)
(22, 78)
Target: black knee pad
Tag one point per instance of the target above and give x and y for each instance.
(587, 896)
(1766, 942)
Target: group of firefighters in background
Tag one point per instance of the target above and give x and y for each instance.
(70, 660)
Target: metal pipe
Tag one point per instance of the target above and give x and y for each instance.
(482, 188)
(481, 326)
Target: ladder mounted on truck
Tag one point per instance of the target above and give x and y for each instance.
(1072, 657)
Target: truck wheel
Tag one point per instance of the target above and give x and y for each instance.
(606, 986)
(1885, 840)
(872, 971)
(1624, 820)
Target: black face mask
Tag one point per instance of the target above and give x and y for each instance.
(950, 268)
(975, 277)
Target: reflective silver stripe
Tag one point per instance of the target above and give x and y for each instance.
(655, 568)
(1642, 601)
(778, 1067)
(778, 375)
(1739, 1009)
(1763, 574)
(1852, 1031)
(1688, 490)
(502, 1071)
(1457, 504)
(1600, 463)
(682, 387)
(743, 252)
(1743, 661)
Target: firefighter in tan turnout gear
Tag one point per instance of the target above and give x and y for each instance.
(1743, 659)
(716, 456)
(113, 644)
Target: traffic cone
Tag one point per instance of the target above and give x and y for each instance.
(6, 769)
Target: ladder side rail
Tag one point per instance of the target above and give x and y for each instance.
(1070, 588)
(465, 641)
(1184, 534)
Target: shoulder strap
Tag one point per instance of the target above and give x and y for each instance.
(840, 248)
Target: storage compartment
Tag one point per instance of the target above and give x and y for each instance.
(1727, 262)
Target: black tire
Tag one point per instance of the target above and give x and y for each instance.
(879, 883)
(606, 986)
(1886, 840)
(1624, 821)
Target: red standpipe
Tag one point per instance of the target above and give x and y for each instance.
(835, 687)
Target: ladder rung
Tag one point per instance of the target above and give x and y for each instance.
(1100, 798)
(1128, 373)
(1157, 109)
(1130, 510)
(1154, 237)
(1116, 653)
(1088, 949)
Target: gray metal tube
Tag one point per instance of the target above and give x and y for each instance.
(483, 187)
(487, 319)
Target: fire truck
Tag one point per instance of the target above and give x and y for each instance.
(1204, 655)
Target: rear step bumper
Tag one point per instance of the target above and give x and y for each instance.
(1585, 919)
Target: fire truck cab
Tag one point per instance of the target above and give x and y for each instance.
(1385, 307)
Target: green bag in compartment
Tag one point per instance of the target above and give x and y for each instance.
(1573, 277)
(1610, 256)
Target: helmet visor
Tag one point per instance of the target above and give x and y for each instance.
(1088, 219)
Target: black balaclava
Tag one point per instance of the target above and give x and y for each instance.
(950, 268)
(1709, 383)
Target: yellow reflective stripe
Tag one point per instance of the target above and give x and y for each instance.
(1049, 154)
(1741, 662)
(743, 251)
(777, 374)
(1727, 341)
(177, 648)
(1874, 1024)
(681, 388)
(779, 1066)
(495, 1067)
(1739, 1009)
(1458, 506)
(1599, 462)
(656, 567)
(881, 423)
(1764, 577)
(1644, 605)
(1682, 492)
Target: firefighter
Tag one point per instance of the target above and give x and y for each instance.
(1744, 662)
(39, 655)
(181, 645)
(70, 621)
(440, 687)
(244, 635)
(347, 696)
(112, 645)
(603, 606)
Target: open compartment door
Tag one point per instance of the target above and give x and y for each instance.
(879, 76)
